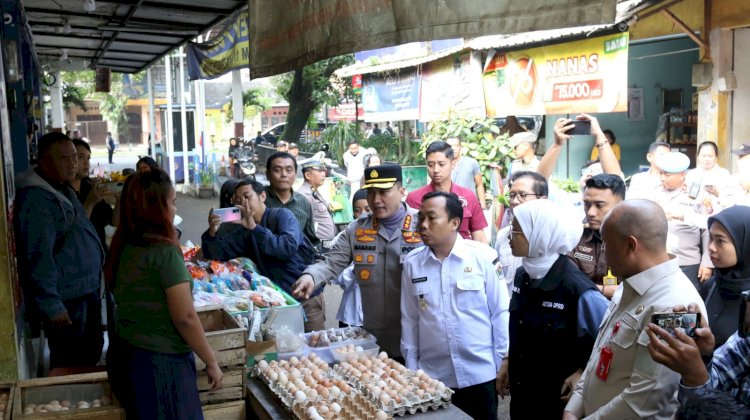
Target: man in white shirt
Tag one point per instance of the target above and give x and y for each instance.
(648, 184)
(354, 160)
(454, 310)
(621, 380)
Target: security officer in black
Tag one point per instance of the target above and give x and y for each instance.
(601, 193)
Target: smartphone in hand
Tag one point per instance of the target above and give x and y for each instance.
(229, 214)
(671, 320)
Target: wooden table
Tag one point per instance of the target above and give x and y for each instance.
(265, 406)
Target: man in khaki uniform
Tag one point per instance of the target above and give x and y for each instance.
(687, 209)
(621, 379)
(377, 244)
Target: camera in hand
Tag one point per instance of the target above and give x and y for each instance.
(670, 321)
(580, 128)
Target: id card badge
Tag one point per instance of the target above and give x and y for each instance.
(605, 359)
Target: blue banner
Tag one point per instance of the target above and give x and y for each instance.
(226, 52)
(391, 97)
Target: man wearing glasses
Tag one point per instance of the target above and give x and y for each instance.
(524, 186)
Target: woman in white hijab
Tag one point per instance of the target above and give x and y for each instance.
(549, 232)
(555, 312)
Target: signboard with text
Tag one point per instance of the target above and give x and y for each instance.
(391, 97)
(582, 76)
(226, 52)
(452, 87)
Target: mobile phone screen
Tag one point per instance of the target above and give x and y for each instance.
(229, 214)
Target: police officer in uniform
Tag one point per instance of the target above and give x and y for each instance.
(601, 193)
(377, 245)
(687, 209)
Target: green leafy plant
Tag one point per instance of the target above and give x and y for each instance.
(207, 176)
(568, 185)
(338, 136)
(480, 140)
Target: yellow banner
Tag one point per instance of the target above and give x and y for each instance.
(582, 76)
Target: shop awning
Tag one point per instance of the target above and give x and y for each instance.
(126, 36)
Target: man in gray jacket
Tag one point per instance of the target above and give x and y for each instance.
(59, 257)
(377, 245)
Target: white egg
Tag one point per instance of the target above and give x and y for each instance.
(283, 379)
(300, 396)
(385, 398)
(273, 376)
(336, 408)
(359, 348)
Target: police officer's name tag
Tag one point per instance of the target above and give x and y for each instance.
(419, 280)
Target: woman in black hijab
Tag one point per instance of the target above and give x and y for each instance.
(730, 253)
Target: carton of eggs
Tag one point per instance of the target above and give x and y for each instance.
(4, 396)
(351, 407)
(65, 405)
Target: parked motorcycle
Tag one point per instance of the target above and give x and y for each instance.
(245, 159)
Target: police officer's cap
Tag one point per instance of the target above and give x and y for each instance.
(522, 137)
(382, 176)
(742, 151)
(673, 162)
(313, 164)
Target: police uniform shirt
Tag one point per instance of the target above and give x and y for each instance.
(688, 238)
(377, 259)
(325, 229)
(636, 386)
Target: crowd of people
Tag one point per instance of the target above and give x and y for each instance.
(558, 315)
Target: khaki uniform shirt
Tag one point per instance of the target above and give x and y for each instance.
(636, 386)
(688, 238)
(378, 261)
(325, 229)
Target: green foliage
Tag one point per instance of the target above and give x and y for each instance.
(308, 89)
(73, 96)
(568, 185)
(251, 99)
(113, 107)
(207, 175)
(480, 140)
(338, 137)
(394, 149)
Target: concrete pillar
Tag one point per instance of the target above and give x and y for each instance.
(238, 108)
(714, 105)
(56, 99)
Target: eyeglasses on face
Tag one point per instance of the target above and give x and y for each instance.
(521, 196)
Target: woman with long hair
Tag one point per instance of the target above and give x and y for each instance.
(150, 359)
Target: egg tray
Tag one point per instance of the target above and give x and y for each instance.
(410, 403)
(287, 398)
(355, 406)
(337, 335)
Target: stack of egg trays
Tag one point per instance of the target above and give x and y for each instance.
(411, 403)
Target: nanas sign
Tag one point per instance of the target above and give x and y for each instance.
(580, 76)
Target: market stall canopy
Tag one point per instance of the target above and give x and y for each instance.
(288, 34)
(126, 36)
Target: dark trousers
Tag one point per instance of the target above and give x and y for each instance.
(691, 271)
(79, 344)
(479, 401)
(153, 385)
(110, 152)
(315, 313)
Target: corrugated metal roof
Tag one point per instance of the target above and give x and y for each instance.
(127, 36)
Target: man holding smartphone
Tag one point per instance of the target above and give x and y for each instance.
(728, 371)
(621, 380)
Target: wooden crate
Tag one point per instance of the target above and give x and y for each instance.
(234, 410)
(72, 388)
(9, 388)
(233, 389)
(225, 336)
